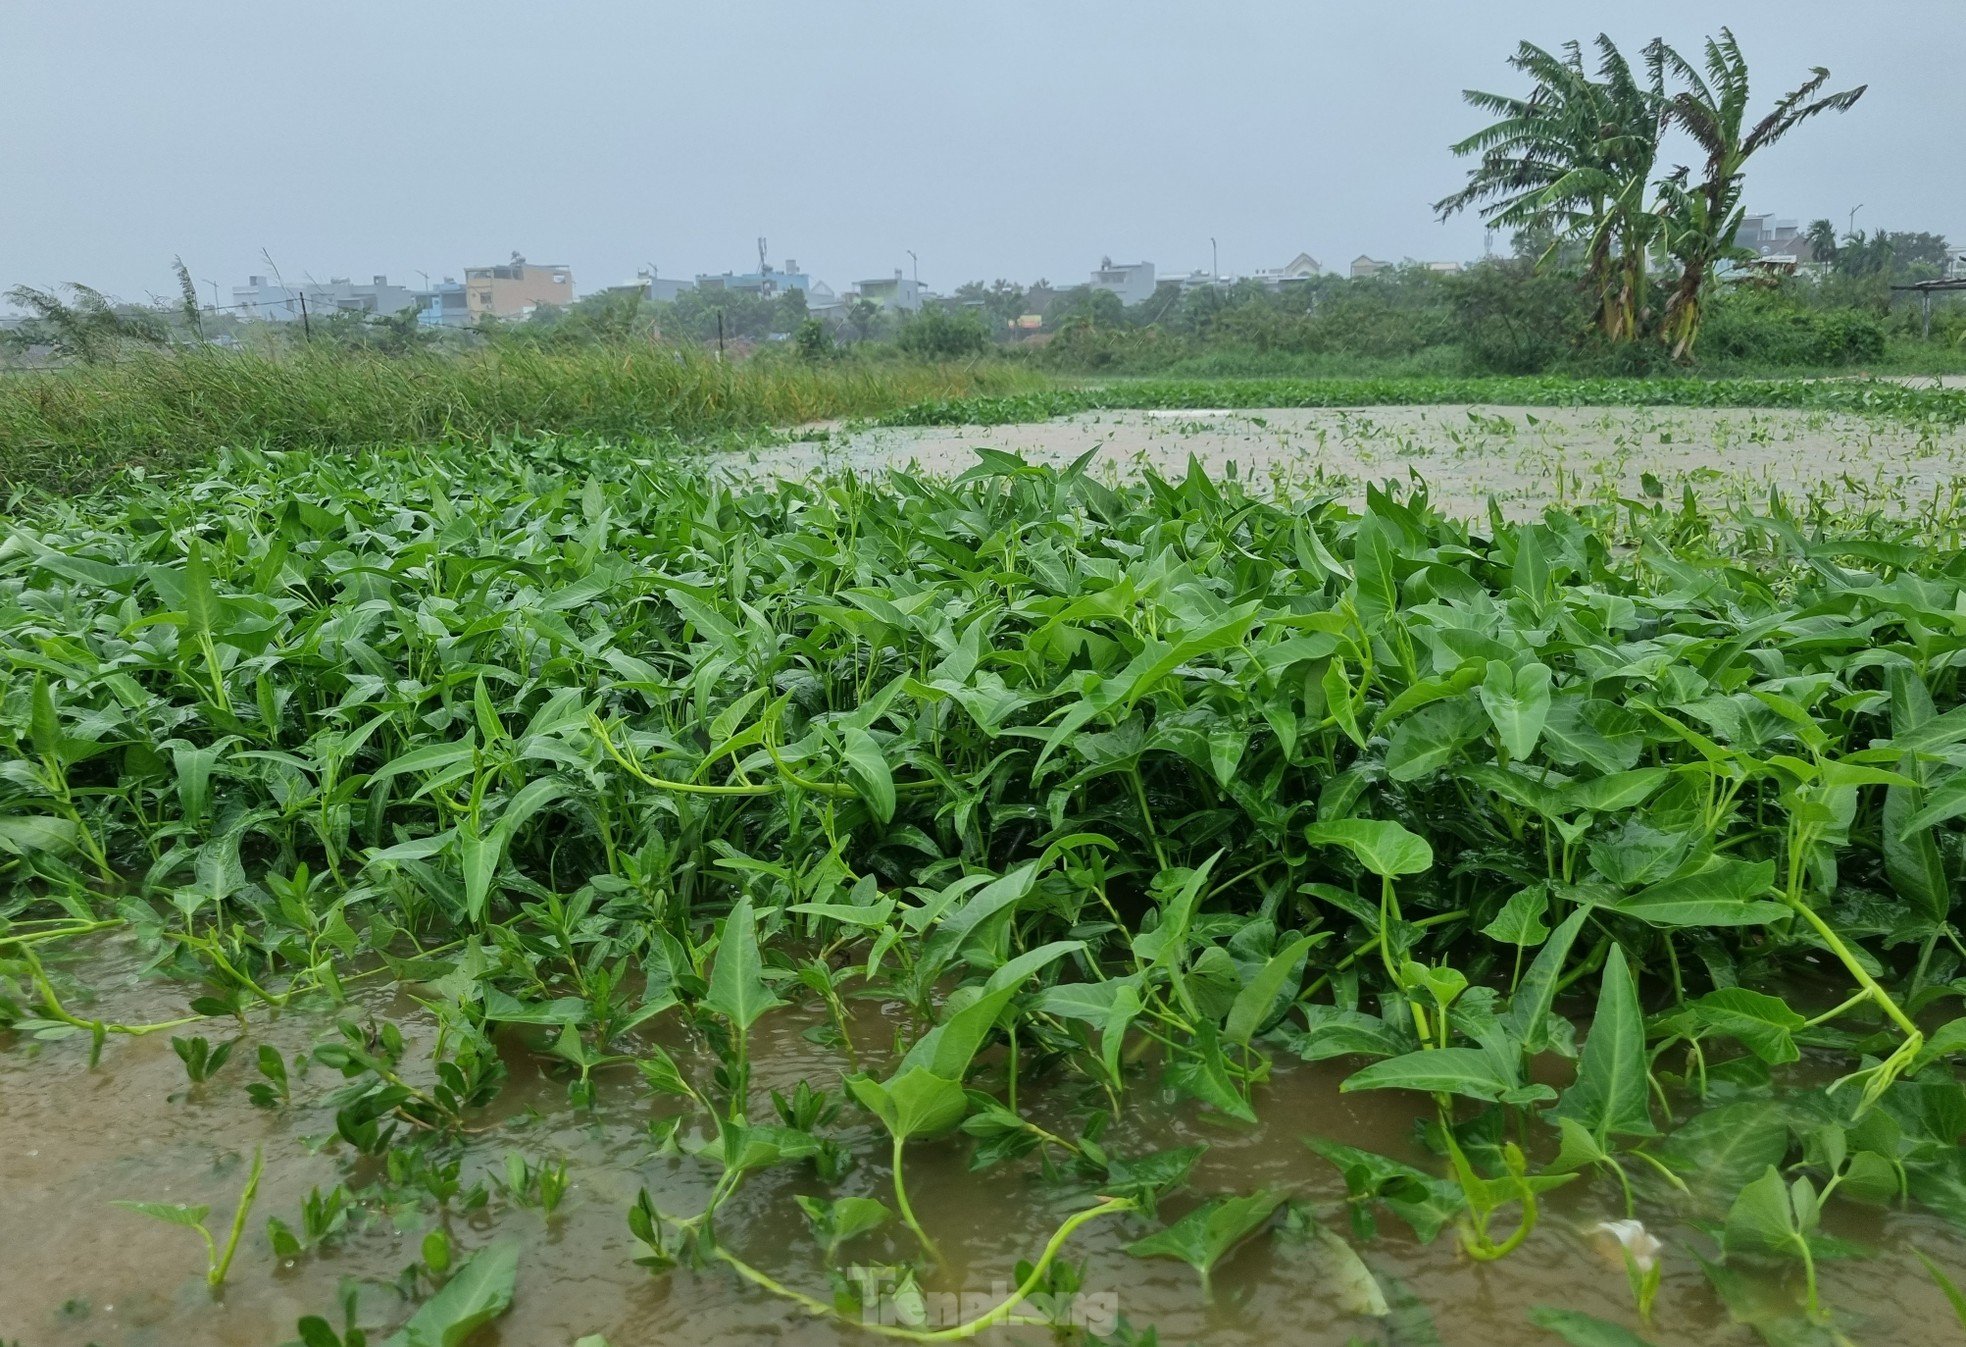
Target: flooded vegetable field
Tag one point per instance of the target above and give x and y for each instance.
(1520, 458)
(88, 1273)
(573, 894)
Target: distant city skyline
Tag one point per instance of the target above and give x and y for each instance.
(1020, 139)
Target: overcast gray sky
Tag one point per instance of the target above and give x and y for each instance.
(1018, 138)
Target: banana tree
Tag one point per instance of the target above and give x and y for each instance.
(1574, 159)
(1704, 217)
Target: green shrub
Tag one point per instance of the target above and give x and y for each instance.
(939, 334)
(1516, 320)
(1768, 329)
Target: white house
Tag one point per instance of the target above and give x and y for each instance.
(1299, 268)
(277, 303)
(1133, 282)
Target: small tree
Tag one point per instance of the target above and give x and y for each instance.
(814, 340)
(1821, 238)
(861, 315)
(188, 298)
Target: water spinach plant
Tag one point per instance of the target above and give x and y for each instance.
(1589, 834)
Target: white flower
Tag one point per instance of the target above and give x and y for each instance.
(1637, 1242)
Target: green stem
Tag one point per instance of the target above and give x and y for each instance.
(1813, 1303)
(1011, 1093)
(1834, 1012)
(216, 1276)
(1147, 816)
(56, 1011)
(60, 933)
(1659, 1165)
(1388, 914)
(907, 1211)
(600, 730)
(1002, 1313)
(1849, 960)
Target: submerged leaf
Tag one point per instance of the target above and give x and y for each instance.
(1584, 1330)
(477, 1293)
(1206, 1235)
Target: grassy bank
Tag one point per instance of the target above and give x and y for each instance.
(67, 429)
(1902, 357)
(70, 429)
(1854, 396)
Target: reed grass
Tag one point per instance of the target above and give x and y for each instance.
(67, 430)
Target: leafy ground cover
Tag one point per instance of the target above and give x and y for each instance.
(1623, 843)
(1945, 406)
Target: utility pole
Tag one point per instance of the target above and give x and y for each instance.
(306, 328)
(1853, 219)
(914, 262)
(1214, 259)
(720, 334)
(214, 285)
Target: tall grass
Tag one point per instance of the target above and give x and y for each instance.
(68, 429)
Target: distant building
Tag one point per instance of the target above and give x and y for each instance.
(822, 301)
(651, 285)
(1768, 236)
(1363, 266)
(1792, 252)
(1299, 268)
(1444, 268)
(443, 305)
(516, 288)
(667, 289)
(273, 302)
(768, 282)
(1133, 282)
(900, 293)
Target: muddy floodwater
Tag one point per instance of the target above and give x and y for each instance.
(1524, 458)
(76, 1270)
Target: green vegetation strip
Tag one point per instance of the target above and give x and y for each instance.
(1115, 790)
(1861, 397)
(70, 429)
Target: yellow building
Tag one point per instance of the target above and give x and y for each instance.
(515, 289)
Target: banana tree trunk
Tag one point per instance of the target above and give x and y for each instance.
(1628, 302)
(1682, 321)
